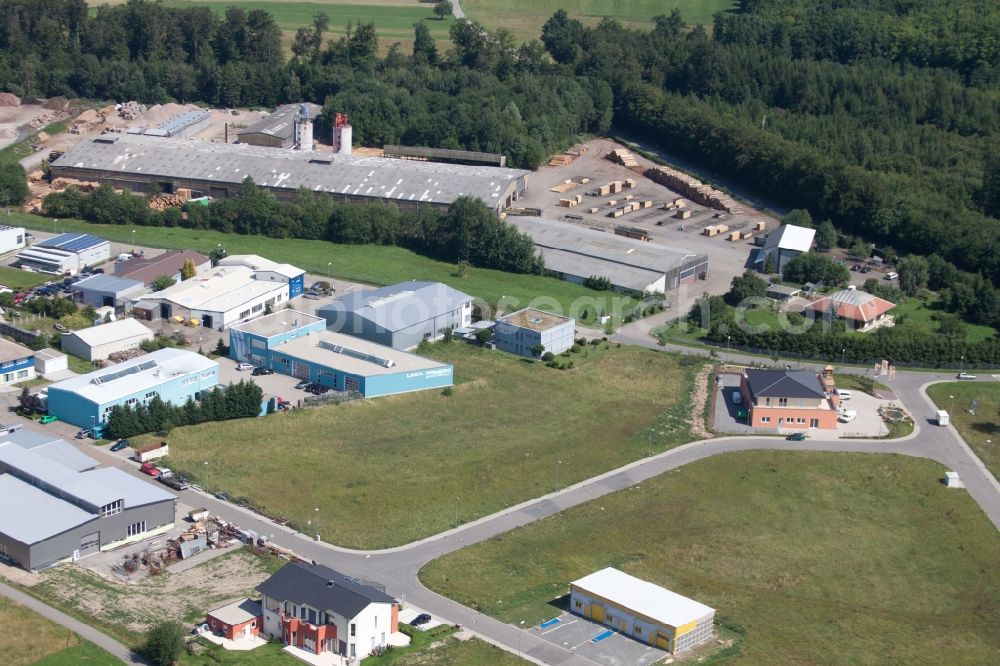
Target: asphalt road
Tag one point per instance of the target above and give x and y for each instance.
(397, 568)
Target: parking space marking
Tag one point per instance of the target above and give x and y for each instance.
(559, 626)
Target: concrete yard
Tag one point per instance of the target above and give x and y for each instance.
(578, 635)
(726, 259)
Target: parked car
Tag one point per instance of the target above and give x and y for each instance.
(844, 395)
(964, 375)
(166, 471)
(891, 275)
(59, 327)
(244, 366)
(303, 384)
(737, 398)
(175, 482)
(262, 371)
(120, 445)
(847, 416)
(866, 269)
(423, 618)
(222, 496)
(796, 437)
(84, 434)
(314, 295)
(147, 468)
(45, 420)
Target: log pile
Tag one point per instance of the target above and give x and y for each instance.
(82, 185)
(162, 202)
(694, 189)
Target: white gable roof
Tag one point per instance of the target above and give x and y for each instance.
(790, 237)
(642, 597)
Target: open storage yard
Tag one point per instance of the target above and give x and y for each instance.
(813, 558)
(388, 471)
(29, 638)
(980, 430)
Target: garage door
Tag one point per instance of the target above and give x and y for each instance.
(597, 613)
(662, 640)
(90, 544)
(300, 370)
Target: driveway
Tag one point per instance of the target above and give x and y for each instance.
(596, 642)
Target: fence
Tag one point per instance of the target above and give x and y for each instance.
(21, 335)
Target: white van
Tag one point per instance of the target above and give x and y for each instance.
(891, 275)
(844, 395)
(124, 256)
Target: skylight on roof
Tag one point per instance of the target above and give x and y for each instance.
(354, 353)
(135, 369)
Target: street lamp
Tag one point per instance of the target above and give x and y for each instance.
(558, 464)
(133, 240)
(728, 338)
(317, 525)
(457, 499)
(962, 366)
(54, 220)
(843, 355)
(521, 628)
(329, 265)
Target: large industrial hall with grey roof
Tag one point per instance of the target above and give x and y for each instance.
(150, 165)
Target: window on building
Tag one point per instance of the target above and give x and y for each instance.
(8, 376)
(131, 401)
(577, 604)
(376, 621)
(113, 508)
(245, 313)
(22, 374)
(782, 402)
(765, 419)
(258, 344)
(189, 380)
(638, 630)
(208, 373)
(137, 528)
(354, 629)
(767, 402)
(800, 420)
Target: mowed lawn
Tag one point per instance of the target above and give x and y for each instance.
(524, 18)
(395, 469)
(372, 264)
(982, 431)
(17, 279)
(393, 19)
(822, 558)
(29, 638)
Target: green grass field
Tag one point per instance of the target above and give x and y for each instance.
(393, 19)
(372, 264)
(17, 279)
(524, 18)
(982, 431)
(822, 558)
(407, 463)
(917, 315)
(29, 638)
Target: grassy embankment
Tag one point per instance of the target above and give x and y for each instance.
(373, 264)
(822, 558)
(980, 431)
(29, 638)
(410, 463)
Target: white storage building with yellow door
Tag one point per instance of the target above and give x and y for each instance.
(644, 611)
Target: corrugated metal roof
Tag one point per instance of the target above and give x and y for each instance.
(31, 515)
(790, 237)
(183, 120)
(356, 355)
(53, 449)
(352, 175)
(72, 242)
(113, 331)
(397, 306)
(280, 123)
(158, 367)
(114, 284)
(221, 289)
(643, 597)
(258, 263)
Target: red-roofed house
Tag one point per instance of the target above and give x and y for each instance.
(861, 310)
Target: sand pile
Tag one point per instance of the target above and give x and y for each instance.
(9, 99)
(164, 112)
(58, 103)
(87, 116)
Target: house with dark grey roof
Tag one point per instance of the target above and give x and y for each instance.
(400, 316)
(313, 608)
(788, 400)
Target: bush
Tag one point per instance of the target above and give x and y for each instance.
(581, 341)
(575, 349)
(164, 643)
(447, 392)
(548, 357)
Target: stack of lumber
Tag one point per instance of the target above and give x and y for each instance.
(165, 201)
(694, 189)
(560, 160)
(623, 157)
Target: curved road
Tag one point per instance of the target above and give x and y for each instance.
(397, 568)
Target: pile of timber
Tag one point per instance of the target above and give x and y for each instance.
(694, 189)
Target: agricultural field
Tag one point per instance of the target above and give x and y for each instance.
(980, 431)
(29, 638)
(393, 19)
(524, 18)
(371, 264)
(808, 557)
(412, 464)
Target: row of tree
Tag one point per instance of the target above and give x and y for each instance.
(469, 231)
(236, 401)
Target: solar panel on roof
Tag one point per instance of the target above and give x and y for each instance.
(353, 353)
(135, 369)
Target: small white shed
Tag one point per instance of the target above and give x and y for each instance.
(49, 360)
(951, 480)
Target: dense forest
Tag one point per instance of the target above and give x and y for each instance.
(880, 115)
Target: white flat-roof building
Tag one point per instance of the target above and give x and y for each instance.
(99, 342)
(11, 238)
(521, 331)
(49, 360)
(224, 296)
(642, 610)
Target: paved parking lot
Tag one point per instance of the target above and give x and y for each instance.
(577, 634)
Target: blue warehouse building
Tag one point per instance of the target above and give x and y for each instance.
(173, 374)
(297, 344)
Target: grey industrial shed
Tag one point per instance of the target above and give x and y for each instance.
(57, 507)
(276, 129)
(107, 291)
(149, 165)
(401, 315)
